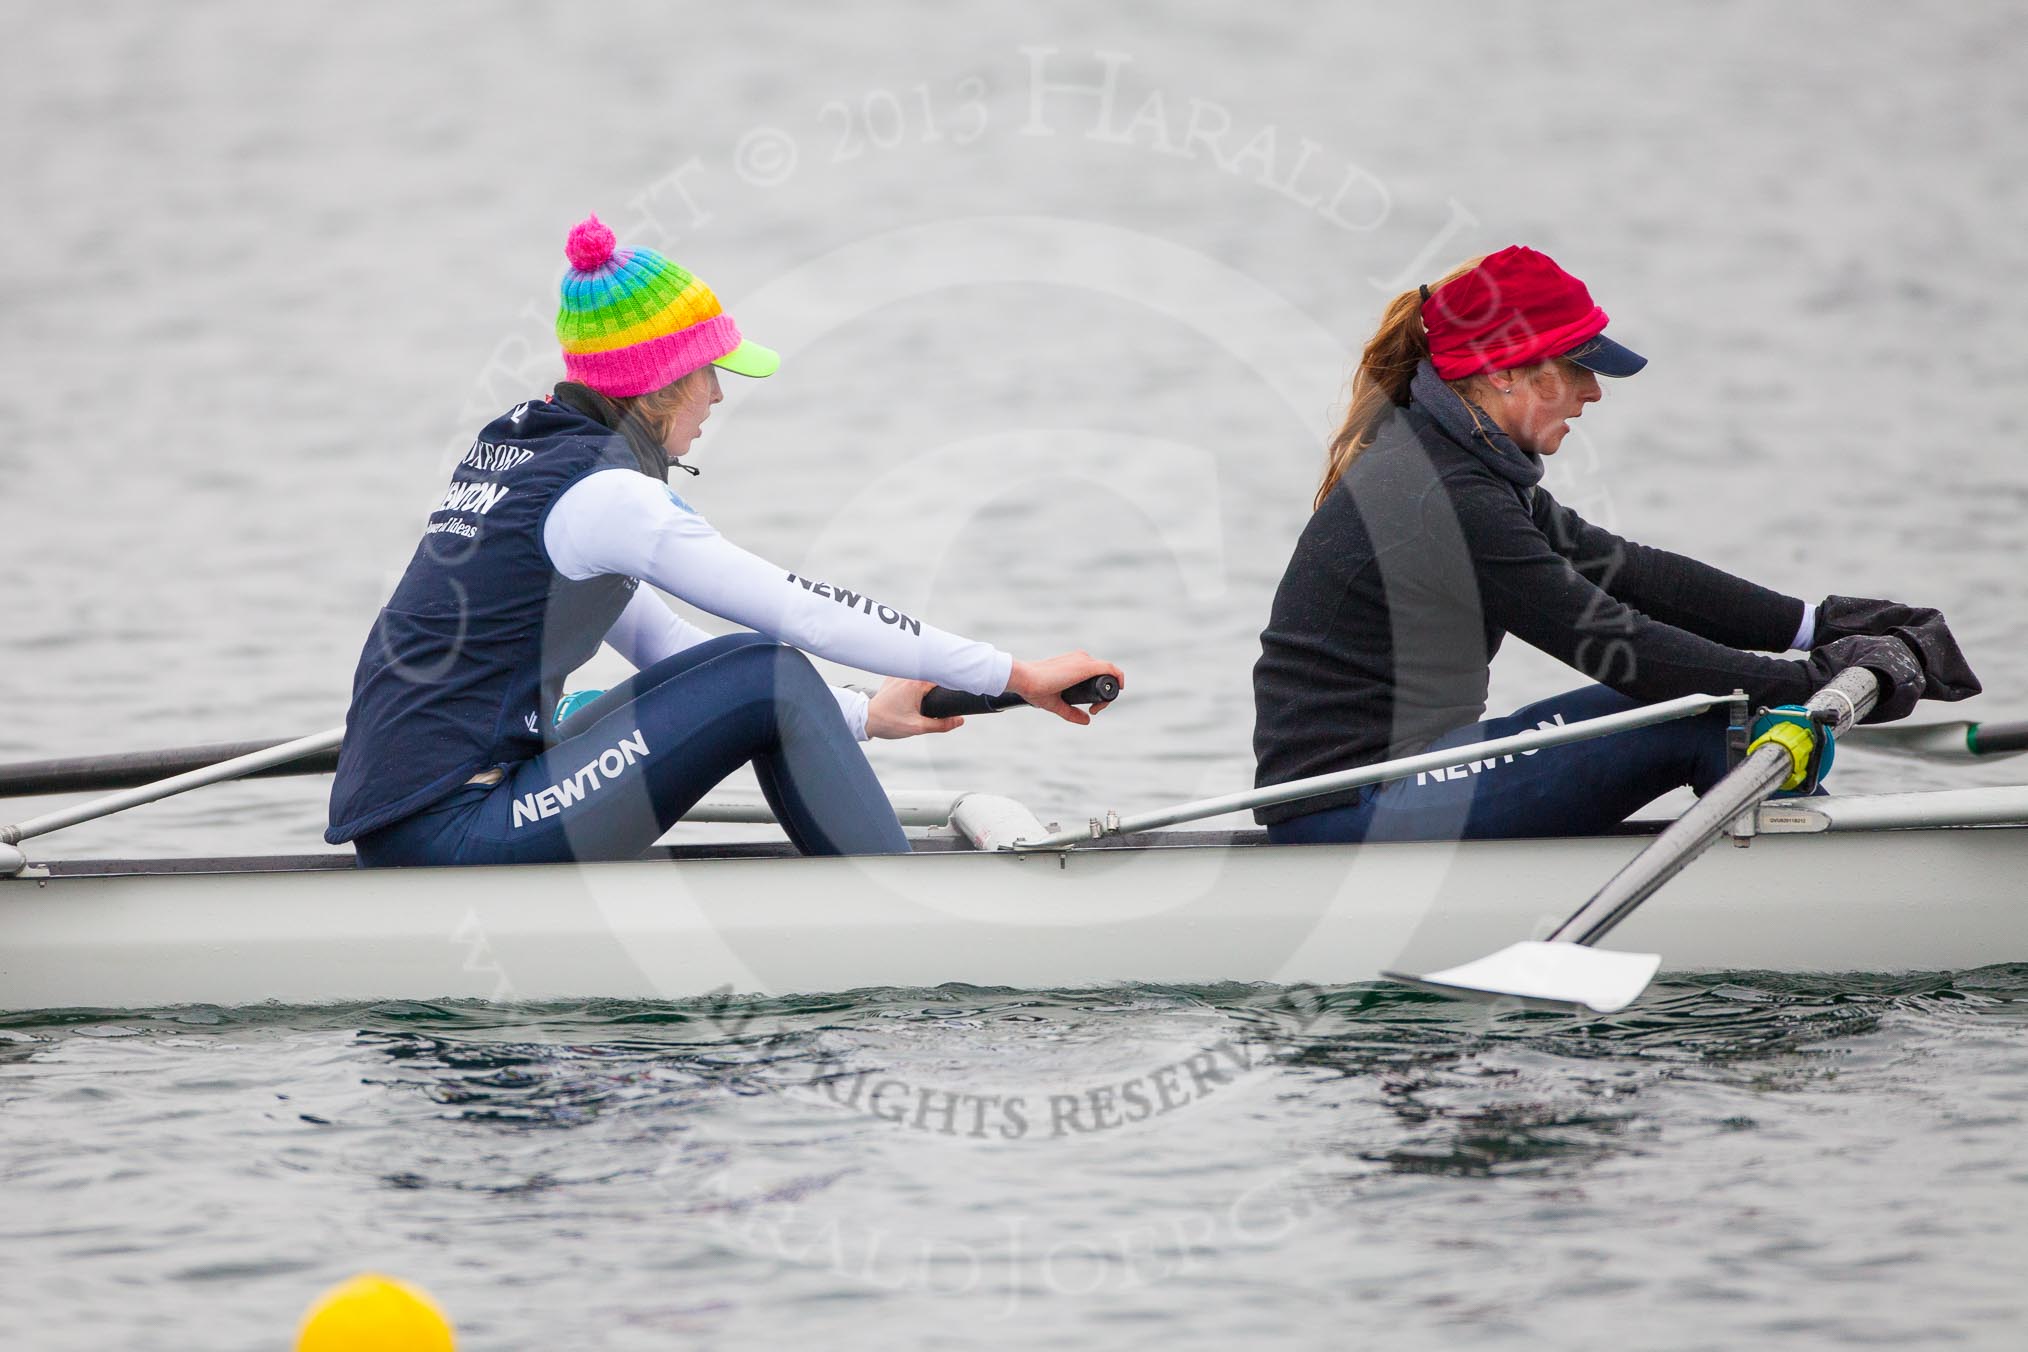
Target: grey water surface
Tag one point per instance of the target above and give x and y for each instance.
(1067, 298)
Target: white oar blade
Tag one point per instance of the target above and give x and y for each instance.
(1599, 979)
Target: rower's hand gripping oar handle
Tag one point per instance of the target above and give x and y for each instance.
(944, 703)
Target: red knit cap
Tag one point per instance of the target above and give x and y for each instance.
(1514, 309)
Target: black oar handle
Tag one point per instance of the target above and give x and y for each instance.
(942, 703)
(1998, 739)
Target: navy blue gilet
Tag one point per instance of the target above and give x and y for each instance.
(470, 653)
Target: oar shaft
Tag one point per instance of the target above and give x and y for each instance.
(1515, 744)
(234, 768)
(84, 774)
(1957, 741)
(1690, 835)
(1846, 700)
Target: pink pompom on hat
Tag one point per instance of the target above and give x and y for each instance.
(632, 321)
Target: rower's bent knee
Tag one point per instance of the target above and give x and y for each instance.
(783, 663)
(747, 641)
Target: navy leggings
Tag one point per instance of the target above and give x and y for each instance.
(1575, 790)
(632, 762)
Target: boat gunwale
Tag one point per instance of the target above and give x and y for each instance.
(742, 851)
(280, 864)
(52, 870)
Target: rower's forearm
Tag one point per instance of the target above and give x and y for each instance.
(620, 522)
(1674, 588)
(1711, 602)
(1622, 647)
(833, 622)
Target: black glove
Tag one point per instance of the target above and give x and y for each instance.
(1946, 674)
(1843, 616)
(1901, 678)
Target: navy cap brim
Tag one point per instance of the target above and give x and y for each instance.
(1605, 357)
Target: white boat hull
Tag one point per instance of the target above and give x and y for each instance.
(1871, 901)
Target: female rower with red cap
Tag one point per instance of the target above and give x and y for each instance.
(553, 517)
(1432, 539)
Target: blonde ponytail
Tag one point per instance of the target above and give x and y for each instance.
(1380, 385)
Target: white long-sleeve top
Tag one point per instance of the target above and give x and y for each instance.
(621, 522)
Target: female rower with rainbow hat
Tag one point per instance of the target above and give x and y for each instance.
(553, 518)
(1432, 539)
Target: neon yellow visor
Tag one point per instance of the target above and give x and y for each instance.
(750, 359)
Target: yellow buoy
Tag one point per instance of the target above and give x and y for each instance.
(372, 1313)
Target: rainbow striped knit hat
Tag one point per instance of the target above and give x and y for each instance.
(632, 321)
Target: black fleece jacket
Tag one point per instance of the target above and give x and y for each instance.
(1438, 542)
